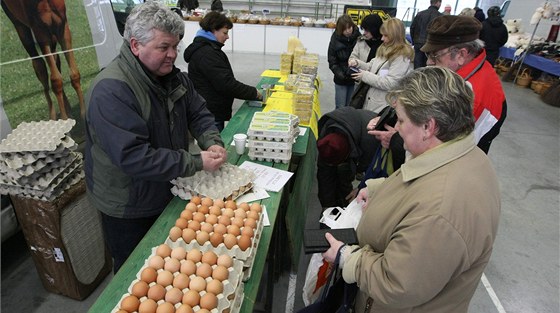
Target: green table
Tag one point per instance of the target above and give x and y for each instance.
(290, 202)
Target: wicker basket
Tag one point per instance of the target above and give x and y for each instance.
(524, 79)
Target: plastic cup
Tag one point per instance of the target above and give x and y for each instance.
(240, 141)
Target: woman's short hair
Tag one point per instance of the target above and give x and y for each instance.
(215, 20)
(344, 22)
(438, 93)
(146, 17)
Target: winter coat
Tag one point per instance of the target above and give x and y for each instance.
(362, 49)
(136, 137)
(419, 26)
(216, 5)
(382, 75)
(212, 76)
(427, 233)
(494, 33)
(187, 5)
(340, 48)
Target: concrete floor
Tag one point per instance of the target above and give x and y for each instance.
(523, 273)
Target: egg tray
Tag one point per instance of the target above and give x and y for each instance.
(285, 135)
(46, 180)
(270, 145)
(270, 157)
(37, 136)
(38, 173)
(42, 165)
(49, 194)
(234, 252)
(186, 194)
(20, 159)
(231, 298)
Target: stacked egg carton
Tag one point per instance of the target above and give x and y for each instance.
(309, 63)
(286, 60)
(272, 135)
(37, 160)
(298, 53)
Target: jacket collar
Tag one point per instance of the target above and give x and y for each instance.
(473, 66)
(436, 157)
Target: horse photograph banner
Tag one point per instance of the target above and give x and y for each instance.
(358, 12)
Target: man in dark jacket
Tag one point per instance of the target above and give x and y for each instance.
(187, 5)
(140, 110)
(494, 34)
(210, 70)
(419, 30)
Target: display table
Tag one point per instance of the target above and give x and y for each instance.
(540, 63)
(286, 211)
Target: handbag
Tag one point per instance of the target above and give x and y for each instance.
(378, 166)
(359, 96)
(337, 295)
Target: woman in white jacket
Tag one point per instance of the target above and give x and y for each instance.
(392, 62)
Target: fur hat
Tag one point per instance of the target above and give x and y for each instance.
(333, 148)
(448, 30)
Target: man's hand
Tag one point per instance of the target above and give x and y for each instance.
(330, 255)
(213, 158)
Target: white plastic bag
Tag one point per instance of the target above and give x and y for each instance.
(337, 217)
(315, 278)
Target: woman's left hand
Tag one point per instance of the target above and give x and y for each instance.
(330, 255)
(358, 75)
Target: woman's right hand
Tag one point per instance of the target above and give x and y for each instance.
(352, 62)
(363, 197)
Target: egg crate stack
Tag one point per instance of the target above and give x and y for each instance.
(298, 53)
(228, 182)
(286, 60)
(272, 135)
(37, 160)
(302, 104)
(222, 227)
(309, 63)
(180, 280)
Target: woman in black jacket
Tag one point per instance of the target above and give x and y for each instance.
(494, 34)
(210, 70)
(341, 45)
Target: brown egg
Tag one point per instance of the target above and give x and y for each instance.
(199, 217)
(188, 235)
(130, 303)
(209, 257)
(244, 242)
(188, 267)
(228, 212)
(194, 225)
(247, 231)
(220, 273)
(164, 278)
(191, 207)
(207, 201)
(197, 284)
(220, 228)
(156, 292)
(156, 262)
(215, 286)
(219, 203)
(194, 255)
(209, 301)
(224, 220)
(250, 222)
(225, 261)
(215, 210)
(148, 275)
(191, 298)
(174, 295)
(230, 240)
(204, 270)
(216, 239)
(231, 204)
(244, 205)
(256, 207)
(148, 306)
(173, 265)
(206, 227)
(178, 253)
(203, 311)
(211, 219)
(122, 311)
(238, 221)
(181, 281)
(163, 250)
(184, 308)
(186, 214)
(181, 223)
(234, 230)
(204, 209)
(140, 289)
(175, 233)
(253, 214)
(240, 213)
(202, 237)
(196, 200)
(166, 307)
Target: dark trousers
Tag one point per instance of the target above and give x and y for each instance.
(334, 183)
(123, 235)
(420, 58)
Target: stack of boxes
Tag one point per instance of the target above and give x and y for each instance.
(272, 135)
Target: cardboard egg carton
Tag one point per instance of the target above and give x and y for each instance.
(271, 156)
(42, 181)
(57, 189)
(37, 136)
(40, 174)
(16, 160)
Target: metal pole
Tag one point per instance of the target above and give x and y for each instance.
(526, 51)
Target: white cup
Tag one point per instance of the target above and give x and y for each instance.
(240, 141)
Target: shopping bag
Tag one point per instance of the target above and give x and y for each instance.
(315, 278)
(348, 217)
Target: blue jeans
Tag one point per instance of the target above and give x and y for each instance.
(342, 95)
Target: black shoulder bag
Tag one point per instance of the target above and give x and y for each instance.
(360, 93)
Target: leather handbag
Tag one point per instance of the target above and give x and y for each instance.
(359, 96)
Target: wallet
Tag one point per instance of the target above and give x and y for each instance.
(314, 240)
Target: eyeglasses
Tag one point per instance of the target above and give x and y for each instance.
(435, 57)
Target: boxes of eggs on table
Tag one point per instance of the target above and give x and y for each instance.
(302, 104)
(181, 280)
(228, 182)
(286, 60)
(272, 135)
(223, 227)
(309, 63)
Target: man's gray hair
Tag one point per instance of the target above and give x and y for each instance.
(474, 47)
(146, 17)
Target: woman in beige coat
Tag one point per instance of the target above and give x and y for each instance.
(427, 231)
(391, 63)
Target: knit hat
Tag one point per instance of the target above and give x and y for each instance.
(333, 148)
(372, 23)
(448, 30)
